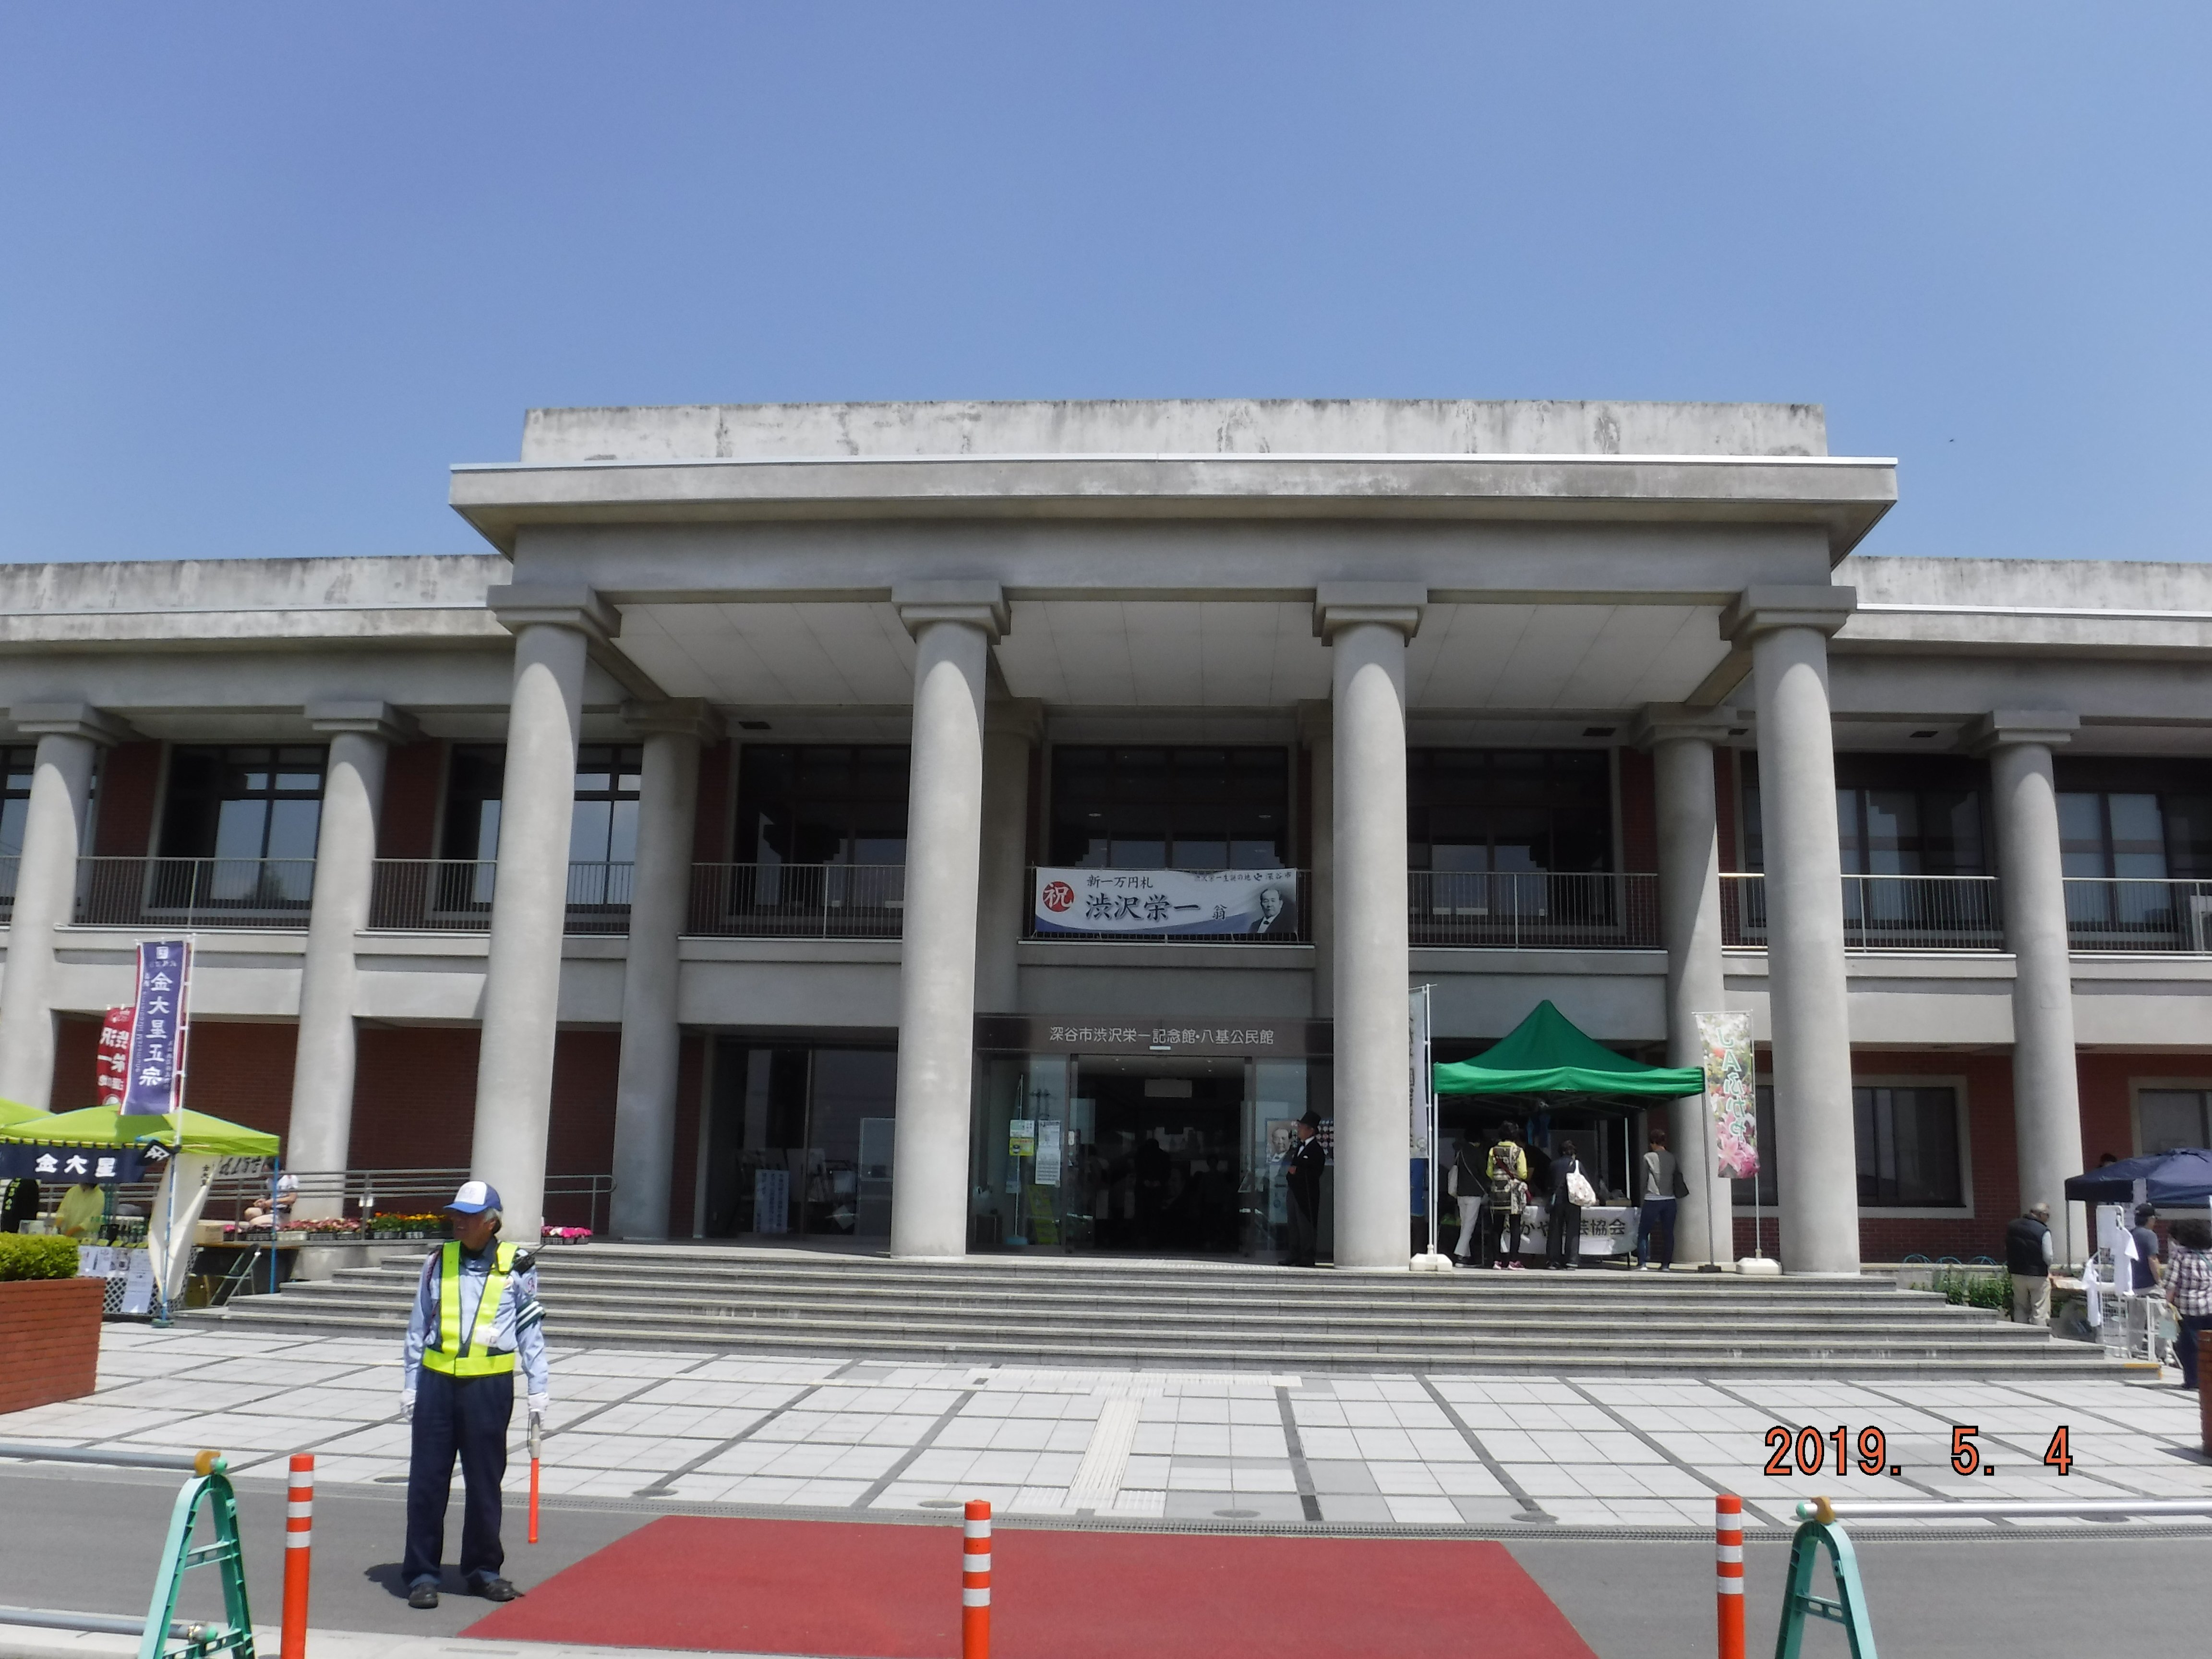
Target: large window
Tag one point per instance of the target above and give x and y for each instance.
(799, 1140)
(1171, 809)
(2169, 1118)
(1908, 1146)
(602, 823)
(1896, 815)
(242, 803)
(820, 804)
(16, 767)
(1507, 811)
(2127, 829)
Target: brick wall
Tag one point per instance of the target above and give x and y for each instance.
(49, 1340)
(414, 1096)
(414, 777)
(130, 779)
(234, 1069)
(1640, 812)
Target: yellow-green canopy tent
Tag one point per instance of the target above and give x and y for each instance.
(14, 1112)
(104, 1126)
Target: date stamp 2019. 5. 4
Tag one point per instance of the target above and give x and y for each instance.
(1807, 1451)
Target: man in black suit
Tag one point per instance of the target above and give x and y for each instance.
(1276, 918)
(1304, 1166)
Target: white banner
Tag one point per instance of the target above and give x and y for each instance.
(1731, 1092)
(1257, 903)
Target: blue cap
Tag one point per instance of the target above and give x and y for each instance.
(474, 1199)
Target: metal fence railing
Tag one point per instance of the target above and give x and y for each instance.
(797, 901)
(194, 893)
(1882, 913)
(1526, 910)
(359, 1195)
(454, 896)
(2127, 913)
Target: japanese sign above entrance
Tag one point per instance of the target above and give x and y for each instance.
(1266, 1039)
(1252, 903)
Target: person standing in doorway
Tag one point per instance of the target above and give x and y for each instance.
(476, 1318)
(1563, 1223)
(2188, 1288)
(2028, 1258)
(1302, 1167)
(1654, 1218)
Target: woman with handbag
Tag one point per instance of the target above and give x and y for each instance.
(1563, 1223)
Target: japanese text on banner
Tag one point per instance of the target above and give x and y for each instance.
(1731, 1095)
(159, 1026)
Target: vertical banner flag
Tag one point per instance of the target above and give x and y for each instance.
(112, 1072)
(158, 1027)
(1417, 1065)
(1730, 1095)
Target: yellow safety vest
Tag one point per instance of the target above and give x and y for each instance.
(453, 1356)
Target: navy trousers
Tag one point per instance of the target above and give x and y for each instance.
(1655, 1221)
(467, 1417)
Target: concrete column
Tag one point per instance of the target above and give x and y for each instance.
(1680, 741)
(953, 624)
(1011, 730)
(1318, 733)
(1815, 1153)
(1367, 625)
(554, 631)
(660, 898)
(2047, 1101)
(71, 736)
(361, 734)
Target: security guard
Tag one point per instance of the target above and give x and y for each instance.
(476, 1314)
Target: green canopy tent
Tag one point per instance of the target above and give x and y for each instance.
(13, 1112)
(104, 1126)
(1547, 1054)
(198, 1143)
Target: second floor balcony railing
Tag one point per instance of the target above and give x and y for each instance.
(1883, 913)
(454, 895)
(194, 893)
(2166, 917)
(797, 901)
(1597, 910)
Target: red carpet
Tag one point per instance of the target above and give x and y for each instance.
(863, 1591)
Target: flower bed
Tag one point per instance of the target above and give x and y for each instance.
(406, 1226)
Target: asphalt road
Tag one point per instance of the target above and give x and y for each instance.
(87, 1540)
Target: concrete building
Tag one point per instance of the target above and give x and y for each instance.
(690, 836)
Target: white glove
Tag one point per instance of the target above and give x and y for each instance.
(407, 1408)
(539, 1402)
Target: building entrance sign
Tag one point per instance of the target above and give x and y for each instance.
(1100, 1034)
(1254, 903)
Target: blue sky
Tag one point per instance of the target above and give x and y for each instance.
(266, 270)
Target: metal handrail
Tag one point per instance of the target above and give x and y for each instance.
(454, 895)
(188, 1462)
(193, 893)
(2165, 915)
(1881, 912)
(365, 1190)
(797, 901)
(1520, 909)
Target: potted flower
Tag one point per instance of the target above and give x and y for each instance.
(566, 1235)
(49, 1322)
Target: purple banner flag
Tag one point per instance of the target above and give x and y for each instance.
(156, 1078)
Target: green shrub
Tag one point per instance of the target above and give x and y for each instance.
(32, 1256)
(1975, 1290)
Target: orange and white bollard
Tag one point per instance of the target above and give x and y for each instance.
(975, 1582)
(299, 1549)
(1728, 1572)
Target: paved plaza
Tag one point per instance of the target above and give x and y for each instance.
(1434, 1453)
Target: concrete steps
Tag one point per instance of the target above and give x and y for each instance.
(1203, 1315)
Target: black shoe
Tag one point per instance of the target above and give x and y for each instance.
(424, 1597)
(497, 1590)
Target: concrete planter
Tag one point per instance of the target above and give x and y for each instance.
(49, 1340)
